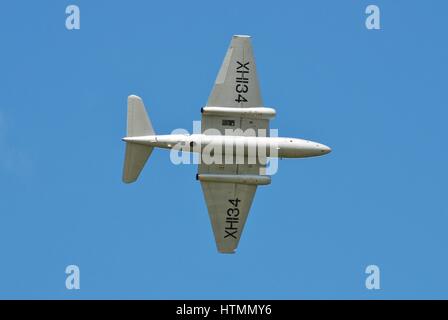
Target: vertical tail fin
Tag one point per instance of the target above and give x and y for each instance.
(138, 124)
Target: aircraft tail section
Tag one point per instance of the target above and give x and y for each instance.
(138, 124)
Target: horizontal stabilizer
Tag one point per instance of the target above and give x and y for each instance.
(138, 121)
(135, 159)
(138, 125)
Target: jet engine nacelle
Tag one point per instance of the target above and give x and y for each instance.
(235, 178)
(258, 113)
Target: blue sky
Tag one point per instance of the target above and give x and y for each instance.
(378, 98)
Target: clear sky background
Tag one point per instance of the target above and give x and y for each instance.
(378, 98)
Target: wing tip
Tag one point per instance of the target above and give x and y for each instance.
(241, 40)
(227, 252)
(226, 249)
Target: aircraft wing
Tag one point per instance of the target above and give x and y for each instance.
(237, 84)
(228, 203)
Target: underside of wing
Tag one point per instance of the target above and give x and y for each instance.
(229, 191)
(235, 101)
(228, 206)
(237, 84)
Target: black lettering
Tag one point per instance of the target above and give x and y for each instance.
(234, 202)
(230, 234)
(242, 80)
(240, 98)
(241, 88)
(233, 212)
(241, 65)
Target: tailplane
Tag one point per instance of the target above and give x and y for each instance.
(138, 125)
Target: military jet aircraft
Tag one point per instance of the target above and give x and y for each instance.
(234, 126)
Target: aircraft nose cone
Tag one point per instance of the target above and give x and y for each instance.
(325, 149)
